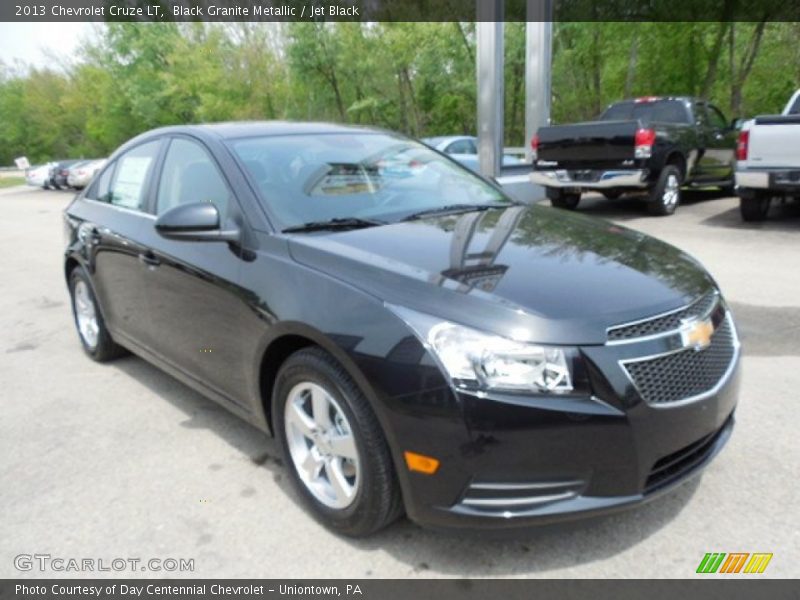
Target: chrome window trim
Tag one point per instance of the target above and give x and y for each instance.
(132, 211)
(698, 397)
(663, 334)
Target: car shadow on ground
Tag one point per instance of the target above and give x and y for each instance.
(634, 206)
(784, 215)
(514, 552)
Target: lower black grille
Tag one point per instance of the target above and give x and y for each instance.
(687, 373)
(680, 463)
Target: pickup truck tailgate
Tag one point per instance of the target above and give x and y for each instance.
(598, 141)
(775, 142)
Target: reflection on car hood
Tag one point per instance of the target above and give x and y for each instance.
(535, 272)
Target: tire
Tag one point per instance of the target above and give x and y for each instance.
(567, 201)
(666, 195)
(368, 497)
(754, 209)
(612, 194)
(91, 327)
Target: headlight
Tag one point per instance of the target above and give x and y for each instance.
(475, 359)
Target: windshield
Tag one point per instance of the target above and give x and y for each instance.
(375, 176)
(660, 111)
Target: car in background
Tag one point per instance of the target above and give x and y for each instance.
(38, 176)
(651, 145)
(80, 174)
(768, 160)
(464, 149)
(58, 173)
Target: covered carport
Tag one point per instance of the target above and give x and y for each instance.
(491, 92)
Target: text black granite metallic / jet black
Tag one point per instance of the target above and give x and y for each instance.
(416, 341)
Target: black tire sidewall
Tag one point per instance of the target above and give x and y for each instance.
(105, 348)
(565, 201)
(755, 209)
(362, 516)
(656, 204)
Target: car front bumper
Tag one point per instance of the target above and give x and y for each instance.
(512, 461)
(591, 179)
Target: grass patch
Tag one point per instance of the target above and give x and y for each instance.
(11, 181)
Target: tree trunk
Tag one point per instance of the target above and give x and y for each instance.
(713, 59)
(633, 59)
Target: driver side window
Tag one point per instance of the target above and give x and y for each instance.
(191, 175)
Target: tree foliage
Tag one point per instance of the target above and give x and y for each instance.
(418, 78)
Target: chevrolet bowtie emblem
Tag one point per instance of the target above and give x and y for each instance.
(697, 334)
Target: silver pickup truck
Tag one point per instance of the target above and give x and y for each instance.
(768, 160)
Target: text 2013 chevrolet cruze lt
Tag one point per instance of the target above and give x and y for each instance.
(415, 339)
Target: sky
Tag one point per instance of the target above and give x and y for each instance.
(28, 42)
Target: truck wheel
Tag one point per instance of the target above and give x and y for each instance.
(567, 201)
(755, 208)
(666, 195)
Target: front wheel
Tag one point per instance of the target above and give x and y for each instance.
(755, 208)
(333, 445)
(666, 195)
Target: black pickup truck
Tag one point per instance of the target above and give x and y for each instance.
(652, 145)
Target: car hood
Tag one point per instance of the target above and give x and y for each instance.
(535, 273)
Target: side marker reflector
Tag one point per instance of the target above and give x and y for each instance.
(421, 463)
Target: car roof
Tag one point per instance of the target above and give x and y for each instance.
(242, 129)
(443, 139)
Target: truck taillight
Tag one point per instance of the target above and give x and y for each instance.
(644, 140)
(741, 145)
(535, 146)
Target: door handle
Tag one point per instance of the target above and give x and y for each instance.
(149, 259)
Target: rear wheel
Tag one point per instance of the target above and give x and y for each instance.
(565, 200)
(666, 195)
(333, 445)
(94, 336)
(755, 208)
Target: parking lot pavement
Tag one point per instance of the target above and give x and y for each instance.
(122, 461)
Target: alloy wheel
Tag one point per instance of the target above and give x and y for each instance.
(86, 314)
(671, 192)
(322, 445)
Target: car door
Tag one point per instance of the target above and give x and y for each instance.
(722, 143)
(198, 313)
(718, 140)
(113, 218)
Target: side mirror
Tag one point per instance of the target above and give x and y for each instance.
(196, 222)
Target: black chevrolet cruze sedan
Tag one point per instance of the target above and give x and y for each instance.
(416, 340)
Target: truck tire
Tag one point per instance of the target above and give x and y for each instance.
(565, 200)
(755, 208)
(666, 195)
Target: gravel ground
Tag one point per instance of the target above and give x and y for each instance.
(122, 461)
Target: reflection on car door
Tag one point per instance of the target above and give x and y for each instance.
(197, 311)
(113, 221)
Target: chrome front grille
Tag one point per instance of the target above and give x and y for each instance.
(687, 374)
(664, 323)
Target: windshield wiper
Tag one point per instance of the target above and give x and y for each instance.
(452, 208)
(334, 224)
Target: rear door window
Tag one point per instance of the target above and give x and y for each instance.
(132, 172)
